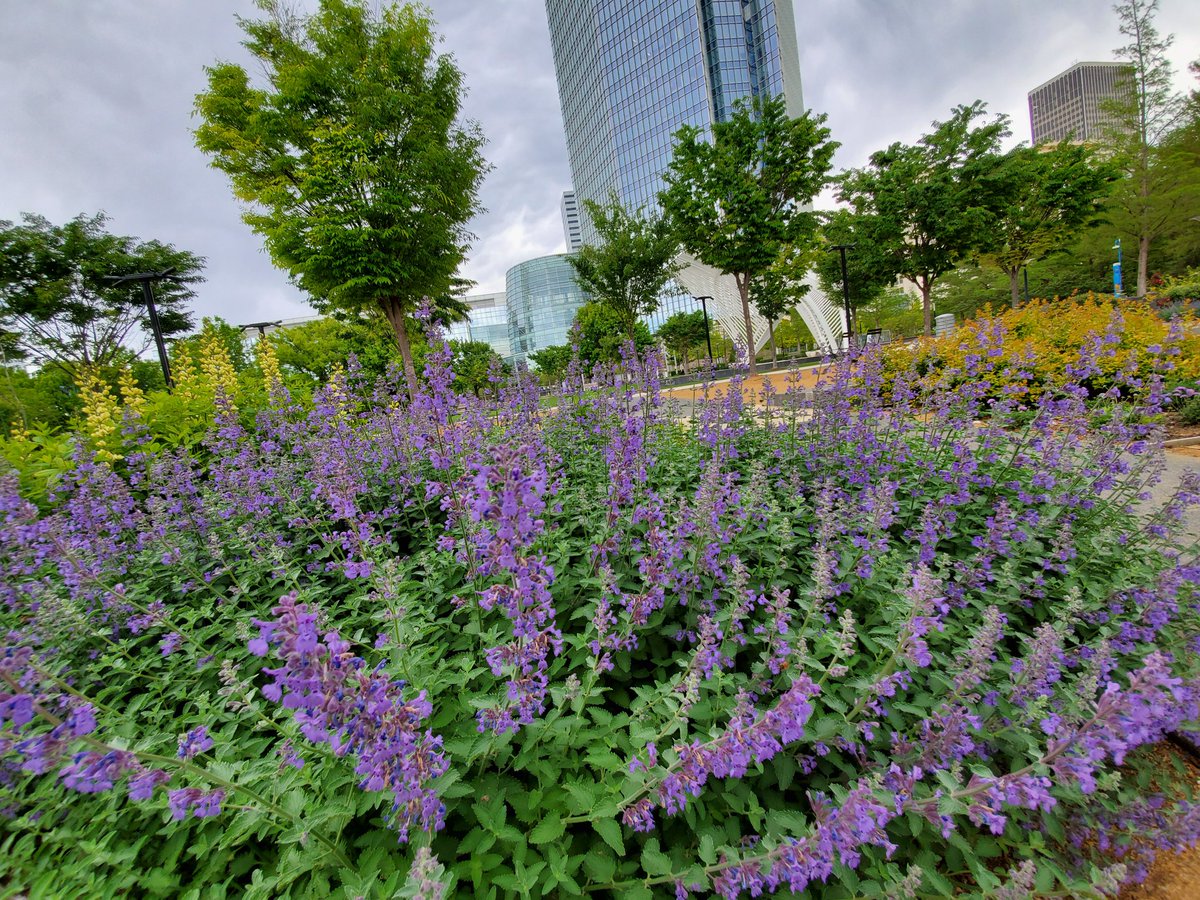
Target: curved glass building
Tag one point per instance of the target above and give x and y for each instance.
(542, 299)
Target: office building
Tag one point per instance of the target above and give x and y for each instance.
(572, 227)
(542, 298)
(632, 72)
(487, 322)
(1071, 105)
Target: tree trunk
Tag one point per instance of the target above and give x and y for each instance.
(771, 338)
(395, 315)
(743, 283)
(1015, 286)
(927, 305)
(685, 361)
(1143, 265)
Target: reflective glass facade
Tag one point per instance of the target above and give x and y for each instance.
(488, 323)
(632, 72)
(542, 299)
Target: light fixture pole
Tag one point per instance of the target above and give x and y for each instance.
(707, 338)
(261, 327)
(144, 278)
(842, 248)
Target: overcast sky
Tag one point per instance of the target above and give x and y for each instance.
(96, 104)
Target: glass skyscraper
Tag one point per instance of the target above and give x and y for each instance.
(632, 72)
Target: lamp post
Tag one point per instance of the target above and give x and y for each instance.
(1117, 269)
(144, 278)
(842, 248)
(707, 337)
(261, 327)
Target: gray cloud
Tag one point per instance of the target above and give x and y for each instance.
(97, 108)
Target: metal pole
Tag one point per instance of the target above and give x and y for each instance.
(707, 337)
(155, 324)
(156, 327)
(842, 248)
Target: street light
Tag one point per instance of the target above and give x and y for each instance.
(1117, 269)
(842, 248)
(707, 338)
(261, 326)
(144, 278)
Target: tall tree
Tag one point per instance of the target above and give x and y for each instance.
(54, 298)
(869, 267)
(683, 332)
(361, 176)
(600, 333)
(738, 200)
(926, 205)
(778, 289)
(628, 270)
(1161, 181)
(1047, 195)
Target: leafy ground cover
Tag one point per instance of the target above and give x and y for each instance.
(373, 648)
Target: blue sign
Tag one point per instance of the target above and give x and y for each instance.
(1116, 279)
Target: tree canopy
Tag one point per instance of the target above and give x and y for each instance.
(1046, 196)
(926, 206)
(360, 175)
(738, 201)
(1149, 140)
(56, 307)
(632, 264)
(682, 333)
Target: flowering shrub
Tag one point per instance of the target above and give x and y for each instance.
(1035, 348)
(516, 649)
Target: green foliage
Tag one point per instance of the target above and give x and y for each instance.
(361, 177)
(738, 203)
(632, 264)
(552, 362)
(600, 331)
(869, 268)
(1152, 141)
(924, 207)
(308, 353)
(46, 397)
(1189, 413)
(57, 306)
(1047, 195)
(476, 365)
(233, 341)
(684, 334)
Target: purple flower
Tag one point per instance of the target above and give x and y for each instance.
(194, 742)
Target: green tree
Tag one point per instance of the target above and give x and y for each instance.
(793, 331)
(473, 363)
(308, 352)
(232, 338)
(740, 199)
(361, 176)
(552, 362)
(600, 332)
(778, 289)
(926, 206)
(682, 333)
(628, 270)
(1046, 196)
(1161, 186)
(869, 267)
(54, 298)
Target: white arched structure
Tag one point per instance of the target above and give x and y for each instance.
(824, 318)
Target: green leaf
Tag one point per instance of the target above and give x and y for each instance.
(610, 831)
(549, 829)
